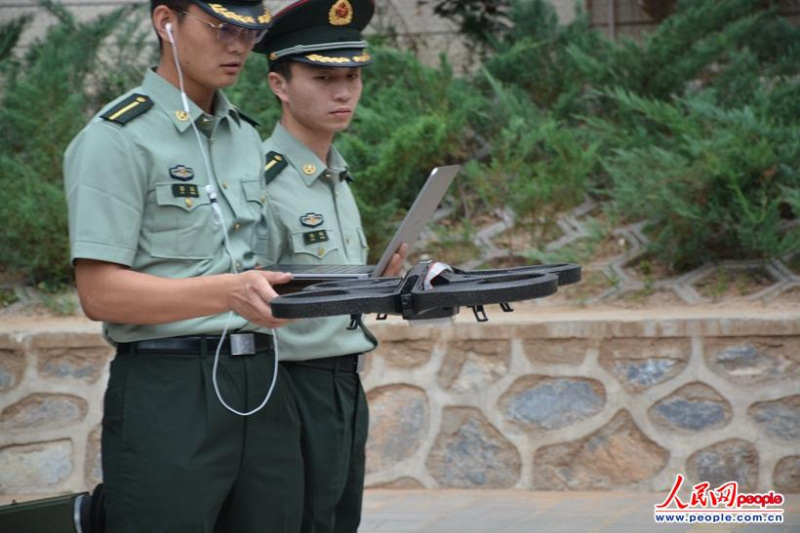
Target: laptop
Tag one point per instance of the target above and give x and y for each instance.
(416, 218)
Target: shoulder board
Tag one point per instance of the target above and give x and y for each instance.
(253, 122)
(275, 164)
(128, 109)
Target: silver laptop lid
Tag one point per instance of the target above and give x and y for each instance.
(419, 214)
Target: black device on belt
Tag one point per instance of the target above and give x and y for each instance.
(234, 344)
(342, 363)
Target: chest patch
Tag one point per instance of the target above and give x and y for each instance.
(185, 190)
(313, 237)
(311, 220)
(181, 172)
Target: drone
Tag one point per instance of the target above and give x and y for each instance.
(429, 290)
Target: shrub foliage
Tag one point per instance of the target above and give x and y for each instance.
(693, 128)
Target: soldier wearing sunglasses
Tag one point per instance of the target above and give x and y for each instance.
(166, 196)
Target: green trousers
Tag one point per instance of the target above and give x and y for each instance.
(177, 461)
(334, 416)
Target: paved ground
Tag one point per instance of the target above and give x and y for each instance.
(520, 511)
(512, 511)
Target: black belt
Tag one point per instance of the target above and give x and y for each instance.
(234, 344)
(342, 363)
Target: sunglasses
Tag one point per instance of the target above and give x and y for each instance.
(228, 33)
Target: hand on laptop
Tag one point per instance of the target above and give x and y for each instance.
(395, 266)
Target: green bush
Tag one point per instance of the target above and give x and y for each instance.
(46, 102)
(539, 167)
(536, 55)
(693, 129)
(713, 184)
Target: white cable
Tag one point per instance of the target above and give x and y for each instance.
(210, 187)
(212, 198)
(271, 385)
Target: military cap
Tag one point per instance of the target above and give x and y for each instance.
(320, 32)
(251, 14)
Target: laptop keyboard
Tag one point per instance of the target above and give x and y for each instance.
(331, 269)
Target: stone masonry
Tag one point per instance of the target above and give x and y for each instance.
(562, 400)
(619, 400)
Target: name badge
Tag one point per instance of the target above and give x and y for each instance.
(180, 190)
(313, 237)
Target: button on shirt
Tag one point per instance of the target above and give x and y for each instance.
(313, 219)
(137, 197)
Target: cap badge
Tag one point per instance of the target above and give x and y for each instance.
(311, 220)
(341, 13)
(309, 169)
(182, 115)
(181, 172)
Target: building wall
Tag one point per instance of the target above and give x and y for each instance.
(549, 401)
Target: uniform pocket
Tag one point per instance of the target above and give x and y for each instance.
(182, 225)
(362, 238)
(255, 197)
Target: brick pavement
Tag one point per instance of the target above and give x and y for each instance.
(517, 511)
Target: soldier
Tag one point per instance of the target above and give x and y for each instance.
(315, 53)
(166, 196)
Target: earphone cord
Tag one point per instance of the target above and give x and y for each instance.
(212, 198)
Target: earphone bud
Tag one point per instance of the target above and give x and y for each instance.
(168, 28)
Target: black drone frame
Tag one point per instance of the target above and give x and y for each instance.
(414, 299)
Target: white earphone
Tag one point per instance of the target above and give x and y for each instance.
(218, 220)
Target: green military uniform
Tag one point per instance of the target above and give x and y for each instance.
(313, 219)
(174, 459)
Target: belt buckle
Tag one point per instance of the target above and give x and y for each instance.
(243, 344)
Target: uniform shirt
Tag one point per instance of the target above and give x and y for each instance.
(313, 219)
(136, 196)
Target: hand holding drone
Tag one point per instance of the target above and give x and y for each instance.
(428, 291)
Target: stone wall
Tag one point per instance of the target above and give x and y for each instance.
(537, 401)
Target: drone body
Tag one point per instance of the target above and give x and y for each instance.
(428, 291)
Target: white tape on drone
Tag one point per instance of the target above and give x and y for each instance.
(433, 272)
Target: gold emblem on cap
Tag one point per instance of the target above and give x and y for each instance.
(341, 13)
(309, 169)
(182, 115)
(320, 252)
